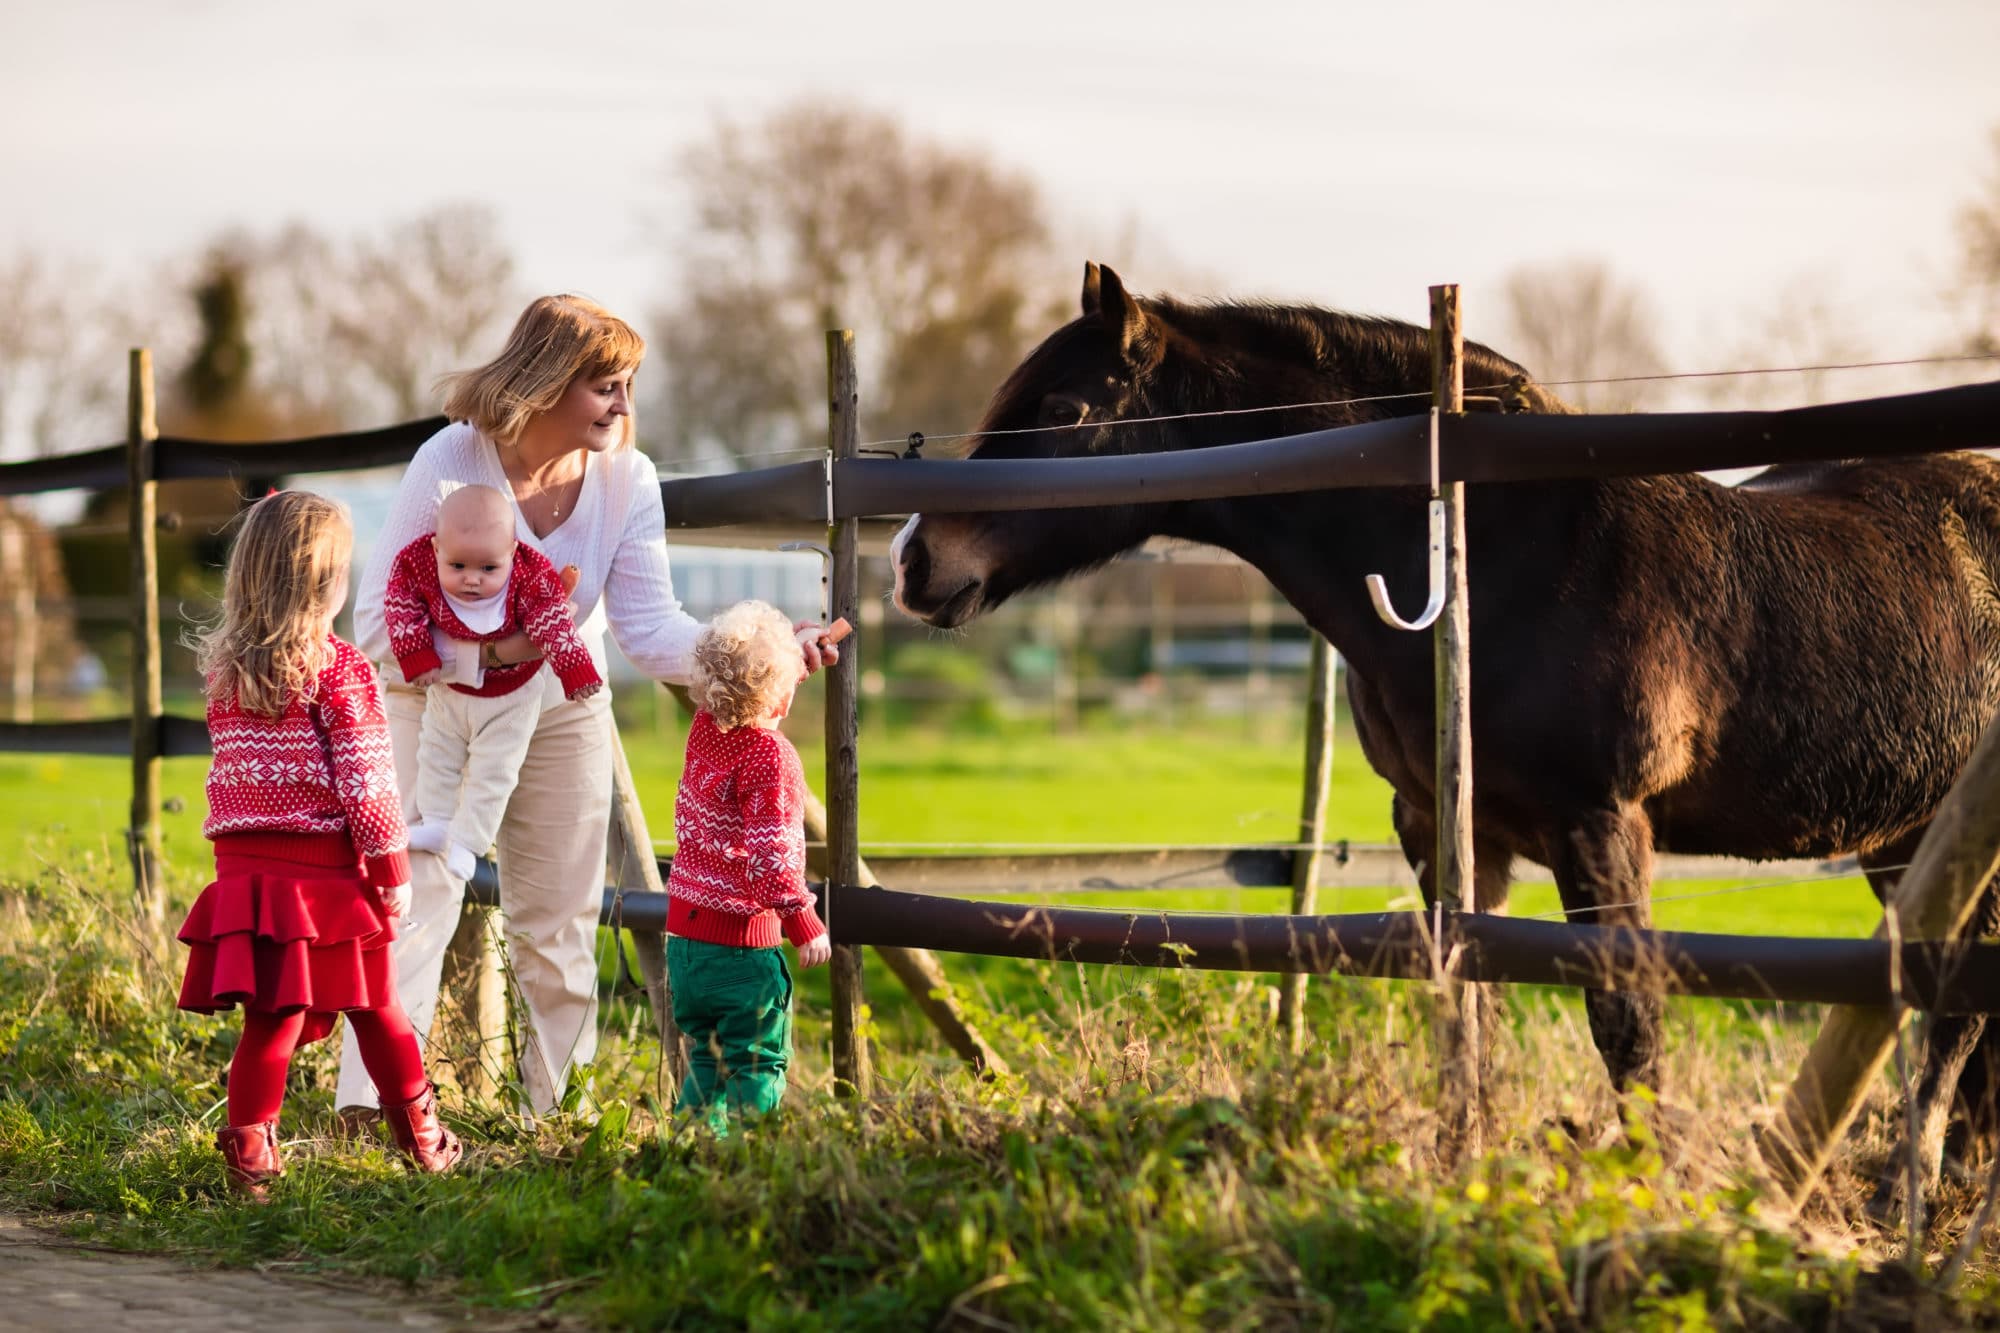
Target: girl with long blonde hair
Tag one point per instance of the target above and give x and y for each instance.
(311, 854)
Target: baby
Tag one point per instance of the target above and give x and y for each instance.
(474, 582)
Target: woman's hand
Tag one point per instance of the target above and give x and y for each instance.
(518, 647)
(816, 950)
(816, 642)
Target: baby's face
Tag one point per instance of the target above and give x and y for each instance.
(473, 563)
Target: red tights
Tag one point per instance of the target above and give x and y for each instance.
(387, 1042)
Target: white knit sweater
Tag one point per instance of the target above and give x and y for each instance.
(616, 537)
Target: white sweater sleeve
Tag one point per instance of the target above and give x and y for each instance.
(434, 473)
(646, 618)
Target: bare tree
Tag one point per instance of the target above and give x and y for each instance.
(62, 363)
(825, 215)
(1979, 261)
(1803, 327)
(422, 299)
(1576, 320)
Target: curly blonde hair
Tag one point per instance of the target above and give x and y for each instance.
(285, 570)
(556, 339)
(744, 663)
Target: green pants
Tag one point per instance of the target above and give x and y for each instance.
(735, 1005)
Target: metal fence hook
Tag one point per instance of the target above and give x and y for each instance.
(825, 574)
(1378, 588)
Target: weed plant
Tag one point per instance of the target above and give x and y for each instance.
(1155, 1161)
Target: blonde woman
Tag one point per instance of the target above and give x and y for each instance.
(548, 423)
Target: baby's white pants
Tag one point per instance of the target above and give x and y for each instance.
(469, 758)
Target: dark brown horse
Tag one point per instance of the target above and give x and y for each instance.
(1797, 667)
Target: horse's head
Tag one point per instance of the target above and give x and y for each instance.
(1131, 376)
(1058, 403)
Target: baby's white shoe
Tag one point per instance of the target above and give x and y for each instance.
(460, 861)
(429, 838)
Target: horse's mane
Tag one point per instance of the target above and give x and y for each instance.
(1351, 355)
(1371, 350)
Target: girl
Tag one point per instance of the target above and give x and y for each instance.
(311, 856)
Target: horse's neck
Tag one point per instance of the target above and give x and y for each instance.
(1318, 549)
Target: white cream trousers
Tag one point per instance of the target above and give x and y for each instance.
(469, 754)
(551, 849)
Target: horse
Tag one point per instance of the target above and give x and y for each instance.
(1795, 667)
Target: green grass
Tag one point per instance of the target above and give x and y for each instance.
(928, 790)
(1156, 1159)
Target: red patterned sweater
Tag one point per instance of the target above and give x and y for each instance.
(536, 602)
(739, 872)
(322, 766)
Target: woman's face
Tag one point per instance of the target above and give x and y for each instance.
(590, 414)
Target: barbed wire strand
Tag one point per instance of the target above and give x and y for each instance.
(1425, 393)
(1822, 878)
(930, 438)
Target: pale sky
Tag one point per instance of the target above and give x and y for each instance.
(1347, 154)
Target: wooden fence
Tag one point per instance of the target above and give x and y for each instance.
(843, 487)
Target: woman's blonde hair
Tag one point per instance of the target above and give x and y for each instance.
(556, 339)
(743, 663)
(284, 571)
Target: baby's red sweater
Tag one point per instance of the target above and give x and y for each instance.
(536, 602)
(739, 872)
(324, 765)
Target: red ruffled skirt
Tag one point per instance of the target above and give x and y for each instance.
(290, 923)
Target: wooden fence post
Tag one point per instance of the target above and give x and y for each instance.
(1461, 1127)
(141, 430)
(1936, 897)
(17, 557)
(853, 1072)
(637, 868)
(1312, 828)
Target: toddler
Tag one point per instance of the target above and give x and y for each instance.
(739, 876)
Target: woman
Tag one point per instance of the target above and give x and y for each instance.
(549, 422)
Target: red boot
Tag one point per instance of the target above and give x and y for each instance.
(414, 1125)
(251, 1153)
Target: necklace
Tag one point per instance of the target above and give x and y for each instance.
(549, 494)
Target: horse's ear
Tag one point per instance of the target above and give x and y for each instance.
(1105, 299)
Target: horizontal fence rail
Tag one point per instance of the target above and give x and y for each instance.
(1951, 979)
(1478, 447)
(180, 737)
(1956, 978)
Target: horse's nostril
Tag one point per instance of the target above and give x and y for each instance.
(916, 566)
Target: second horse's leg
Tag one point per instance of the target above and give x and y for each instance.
(1603, 864)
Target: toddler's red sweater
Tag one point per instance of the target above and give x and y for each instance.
(739, 872)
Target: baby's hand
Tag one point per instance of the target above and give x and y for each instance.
(431, 677)
(396, 899)
(585, 691)
(816, 950)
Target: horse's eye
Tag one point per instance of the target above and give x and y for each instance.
(1062, 410)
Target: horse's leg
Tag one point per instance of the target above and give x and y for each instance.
(1948, 1042)
(1603, 864)
(1492, 864)
(1975, 1122)
(1492, 882)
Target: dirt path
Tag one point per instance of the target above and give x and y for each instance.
(49, 1283)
